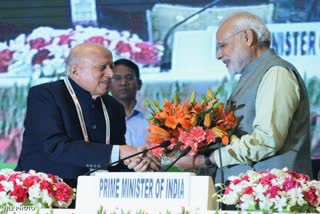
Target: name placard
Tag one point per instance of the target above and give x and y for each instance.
(131, 191)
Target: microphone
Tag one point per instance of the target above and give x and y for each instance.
(165, 63)
(219, 140)
(182, 154)
(164, 144)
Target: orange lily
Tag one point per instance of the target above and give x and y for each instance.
(207, 120)
(159, 132)
(222, 134)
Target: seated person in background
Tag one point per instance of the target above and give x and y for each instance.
(73, 125)
(271, 101)
(124, 86)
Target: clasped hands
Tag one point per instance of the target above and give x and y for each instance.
(145, 162)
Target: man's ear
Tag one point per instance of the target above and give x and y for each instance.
(74, 71)
(250, 37)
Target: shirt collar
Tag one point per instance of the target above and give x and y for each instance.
(255, 63)
(135, 111)
(79, 90)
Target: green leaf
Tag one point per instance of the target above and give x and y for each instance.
(146, 102)
(218, 90)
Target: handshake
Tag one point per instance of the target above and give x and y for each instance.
(140, 159)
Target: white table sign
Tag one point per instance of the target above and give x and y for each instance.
(146, 191)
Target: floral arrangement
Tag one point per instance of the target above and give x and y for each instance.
(191, 123)
(273, 190)
(43, 52)
(36, 189)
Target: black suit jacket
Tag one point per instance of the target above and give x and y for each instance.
(53, 141)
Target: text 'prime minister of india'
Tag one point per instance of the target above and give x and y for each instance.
(173, 188)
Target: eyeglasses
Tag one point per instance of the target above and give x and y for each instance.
(117, 78)
(222, 44)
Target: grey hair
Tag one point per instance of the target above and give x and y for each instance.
(69, 62)
(67, 66)
(243, 20)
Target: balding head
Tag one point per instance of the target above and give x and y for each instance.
(83, 51)
(244, 20)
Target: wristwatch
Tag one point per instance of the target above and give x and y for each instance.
(207, 159)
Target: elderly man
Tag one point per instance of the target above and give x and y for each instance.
(73, 125)
(271, 102)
